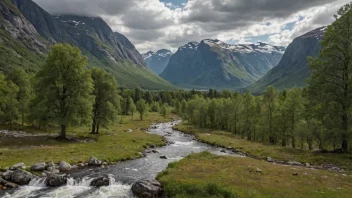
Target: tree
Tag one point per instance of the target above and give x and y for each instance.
(64, 87)
(141, 108)
(248, 113)
(20, 78)
(106, 99)
(331, 80)
(163, 110)
(8, 102)
(132, 107)
(270, 101)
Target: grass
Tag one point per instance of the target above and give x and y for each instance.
(113, 144)
(262, 151)
(208, 175)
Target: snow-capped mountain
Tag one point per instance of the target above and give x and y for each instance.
(157, 61)
(215, 64)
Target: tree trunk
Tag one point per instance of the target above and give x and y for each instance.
(93, 128)
(63, 132)
(293, 142)
(97, 132)
(22, 116)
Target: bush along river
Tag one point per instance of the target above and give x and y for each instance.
(125, 179)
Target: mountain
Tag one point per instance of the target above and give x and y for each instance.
(157, 61)
(38, 31)
(215, 64)
(292, 71)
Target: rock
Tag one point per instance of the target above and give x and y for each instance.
(53, 171)
(155, 151)
(129, 131)
(39, 167)
(307, 165)
(152, 146)
(147, 188)
(7, 184)
(7, 175)
(80, 164)
(294, 163)
(269, 159)
(223, 151)
(64, 166)
(18, 166)
(101, 181)
(295, 174)
(50, 164)
(43, 174)
(56, 180)
(163, 157)
(93, 161)
(259, 170)
(21, 177)
(105, 163)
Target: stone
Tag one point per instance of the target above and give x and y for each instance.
(18, 166)
(7, 184)
(259, 170)
(155, 151)
(21, 177)
(294, 163)
(269, 159)
(147, 188)
(39, 167)
(56, 180)
(99, 182)
(80, 164)
(163, 157)
(152, 146)
(295, 174)
(64, 166)
(93, 161)
(7, 174)
(129, 131)
(307, 165)
(223, 151)
(105, 163)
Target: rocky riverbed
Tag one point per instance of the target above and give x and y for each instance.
(96, 178)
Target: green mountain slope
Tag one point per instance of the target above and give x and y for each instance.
(292, 71)
(38, 30)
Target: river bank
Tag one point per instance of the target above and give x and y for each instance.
(335, 162)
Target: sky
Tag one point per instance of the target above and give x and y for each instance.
(169, 24)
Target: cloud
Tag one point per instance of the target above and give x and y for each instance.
(152, 24)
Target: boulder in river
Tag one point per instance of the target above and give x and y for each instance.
(7, 174)
(147, 188)
(39, 167)
(93, 161)
(21, 177)
(163, 157)
(64, 166)
(56, 180)
(100, 181)
(18, 166)
(7, 184)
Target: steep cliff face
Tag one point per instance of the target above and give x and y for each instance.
(157, 61)
(20, 43)
(24, 23)
(292, 71)
(215, 64)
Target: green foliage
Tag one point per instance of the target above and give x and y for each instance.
(164, 111)
(141, 108)
(9, 111)
(106, 99)
(21, 79)
(63, 87)
(330, 83)
(132, 107)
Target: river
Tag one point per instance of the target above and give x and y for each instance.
(123, 174)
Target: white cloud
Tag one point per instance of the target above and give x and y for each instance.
(152, 25)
